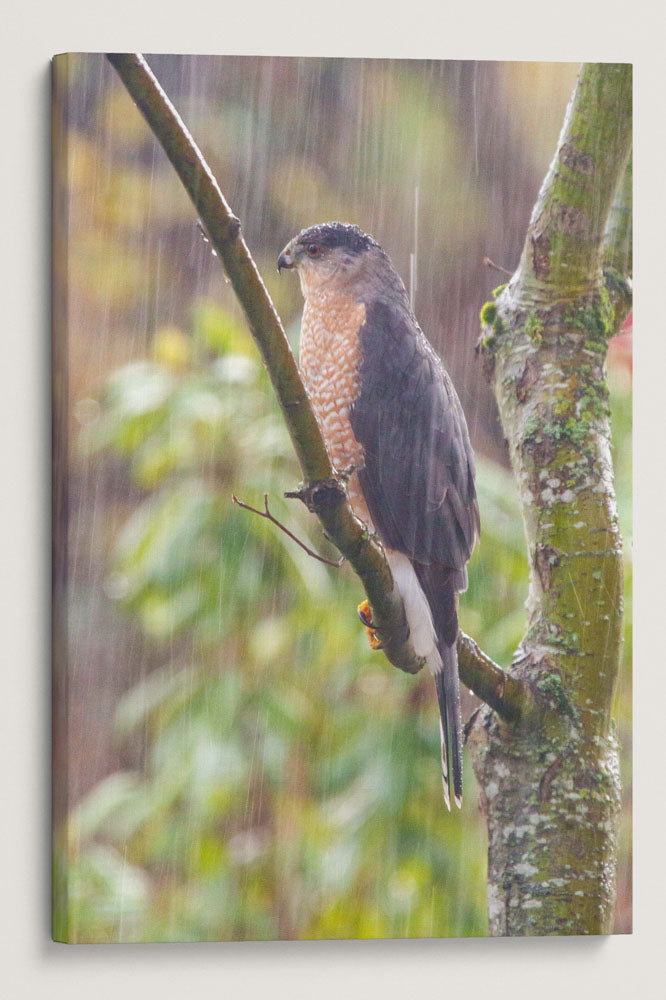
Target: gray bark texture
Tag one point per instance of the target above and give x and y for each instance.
(549, 781)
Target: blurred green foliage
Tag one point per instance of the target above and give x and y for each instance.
(290, 785)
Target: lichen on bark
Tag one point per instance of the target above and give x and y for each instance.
(550, 783)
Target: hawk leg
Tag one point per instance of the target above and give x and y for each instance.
(365, 614)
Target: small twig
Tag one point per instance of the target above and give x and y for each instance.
(267, 514)
(490, 263)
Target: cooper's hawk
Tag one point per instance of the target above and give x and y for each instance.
(387, 408)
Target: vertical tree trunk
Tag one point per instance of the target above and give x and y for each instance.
(550, 783)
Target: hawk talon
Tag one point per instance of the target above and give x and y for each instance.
(365, 614)
(344, 475)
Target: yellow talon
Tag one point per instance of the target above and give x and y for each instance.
(365, 614)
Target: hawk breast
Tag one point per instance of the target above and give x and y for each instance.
(330, 362)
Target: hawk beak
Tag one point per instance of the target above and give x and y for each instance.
(285, 260)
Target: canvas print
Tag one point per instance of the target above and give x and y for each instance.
(342, 498)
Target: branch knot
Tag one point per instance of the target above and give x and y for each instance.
(321, 496)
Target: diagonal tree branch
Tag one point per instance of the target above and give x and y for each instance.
(323, 492)
(508, 696)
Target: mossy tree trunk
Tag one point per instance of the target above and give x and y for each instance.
(550, 782)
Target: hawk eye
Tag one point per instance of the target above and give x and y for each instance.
(314, 250)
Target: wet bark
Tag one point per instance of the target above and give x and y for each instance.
(550, 782)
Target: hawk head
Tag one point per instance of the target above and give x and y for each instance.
(334, 255)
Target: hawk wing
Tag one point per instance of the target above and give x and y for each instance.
(418, 484)
(418, 478)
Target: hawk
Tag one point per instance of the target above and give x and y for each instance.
(388, 410)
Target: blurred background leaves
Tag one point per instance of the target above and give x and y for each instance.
(239, 764)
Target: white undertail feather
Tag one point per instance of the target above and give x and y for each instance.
(417, 609)
(445, 777)
(423, 636)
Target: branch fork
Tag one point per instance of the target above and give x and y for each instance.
(267, 514)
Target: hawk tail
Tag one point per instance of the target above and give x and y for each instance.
(450, 723)
(440, 586)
